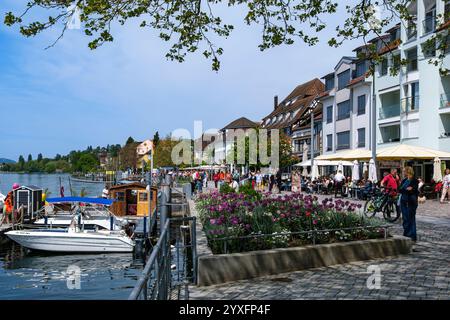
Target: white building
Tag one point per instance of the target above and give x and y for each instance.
(346, 106)
(413, 106)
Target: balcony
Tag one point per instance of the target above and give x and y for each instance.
(389, 111)
(410, 104)
(445, 103)
(411, 32)
(429, 25)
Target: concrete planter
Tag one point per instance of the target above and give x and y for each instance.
(217, 269)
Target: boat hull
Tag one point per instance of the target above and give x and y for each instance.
(71, 242)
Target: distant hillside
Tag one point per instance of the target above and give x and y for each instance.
(3, 160)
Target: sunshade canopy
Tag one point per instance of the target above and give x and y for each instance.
(396, 152)
(323, 163)
(105, 202)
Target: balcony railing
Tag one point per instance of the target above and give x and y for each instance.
(390, 139)
(410, 104)
(429, 25)
(445, 102)
(343, 146)
(411, 32)
(389, 111)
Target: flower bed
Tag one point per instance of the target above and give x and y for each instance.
(237, 222)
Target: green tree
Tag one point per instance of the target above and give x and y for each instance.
(30, 158)
(156, 139)
(129, 141)
(163, 153)
(193, 26)
(21, 163)
(39, 158)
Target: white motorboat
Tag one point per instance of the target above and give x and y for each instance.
(94, 214)
(73, 240)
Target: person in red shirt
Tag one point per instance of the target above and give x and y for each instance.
(390, 182)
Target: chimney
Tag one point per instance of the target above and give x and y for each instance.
(275, 102)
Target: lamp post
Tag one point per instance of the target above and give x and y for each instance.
(312, 107)
(374, 116)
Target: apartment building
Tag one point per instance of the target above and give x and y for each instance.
(346, 105)
(413, 106)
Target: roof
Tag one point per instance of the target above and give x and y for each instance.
(133, 185)
(241, 123)
(293, 107)
(391, 46)
(32, 188)
(358, 80)
(397, 26)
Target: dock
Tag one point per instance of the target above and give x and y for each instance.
(5, 228)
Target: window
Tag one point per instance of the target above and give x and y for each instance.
(120, 196)
(361, 68)
(361, 105)
(411, 56)
(429, 24)
(329, 114)
(396, 62)
(395, 35)
(429, 49)
(329, 142)
(143, 196)
(343, 79)
(361, 138)
(343, 110)
(329, 83)
(384, 67)
(343, 140)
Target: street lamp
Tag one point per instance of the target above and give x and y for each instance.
(312, 106)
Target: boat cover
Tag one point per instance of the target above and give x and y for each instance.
(105, 202)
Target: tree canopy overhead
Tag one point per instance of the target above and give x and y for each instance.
(192, 25)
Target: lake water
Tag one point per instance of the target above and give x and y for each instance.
(50, 182)
(35, 275)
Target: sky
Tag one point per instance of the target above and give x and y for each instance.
(69, 97)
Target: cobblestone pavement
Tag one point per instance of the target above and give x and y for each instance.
(423, 274)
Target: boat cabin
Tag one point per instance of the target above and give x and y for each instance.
(30, 197)
(131, 199)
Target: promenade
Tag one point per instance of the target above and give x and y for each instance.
(423, 274)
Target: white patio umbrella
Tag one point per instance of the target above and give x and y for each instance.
(437, 171)
(315, 172)
(305, 152)
(305, 172)
(340, 167)
(365, 169)
(355, 171)
(372, 171)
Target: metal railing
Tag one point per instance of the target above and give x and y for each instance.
(165, 271)
(429, 25)
(445, 102)
(410, 104)
(411, 31)
(389, 111)
(261, 242)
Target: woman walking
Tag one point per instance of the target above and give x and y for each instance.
(446, 185)
(409, 191)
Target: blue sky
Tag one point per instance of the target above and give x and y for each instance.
(68, 97)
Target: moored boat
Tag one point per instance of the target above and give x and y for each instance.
(73, 240)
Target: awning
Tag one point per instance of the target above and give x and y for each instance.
(105, 202)
(396, 152)
(323, 163)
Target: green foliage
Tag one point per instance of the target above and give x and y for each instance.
(226, 189)
(193, 26)
(247, 190)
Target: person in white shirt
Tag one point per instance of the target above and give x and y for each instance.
(235, 185)
(446, 185)
(338, 182)
(105, 193)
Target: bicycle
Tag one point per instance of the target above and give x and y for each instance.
(382, 202)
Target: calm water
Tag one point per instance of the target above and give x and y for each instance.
(34, 275)
(50, 181)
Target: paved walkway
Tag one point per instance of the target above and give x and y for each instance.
(423, 274)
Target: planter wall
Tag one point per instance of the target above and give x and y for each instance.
(217, 269)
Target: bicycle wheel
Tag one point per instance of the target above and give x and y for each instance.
(370, 208)
(391, 212)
